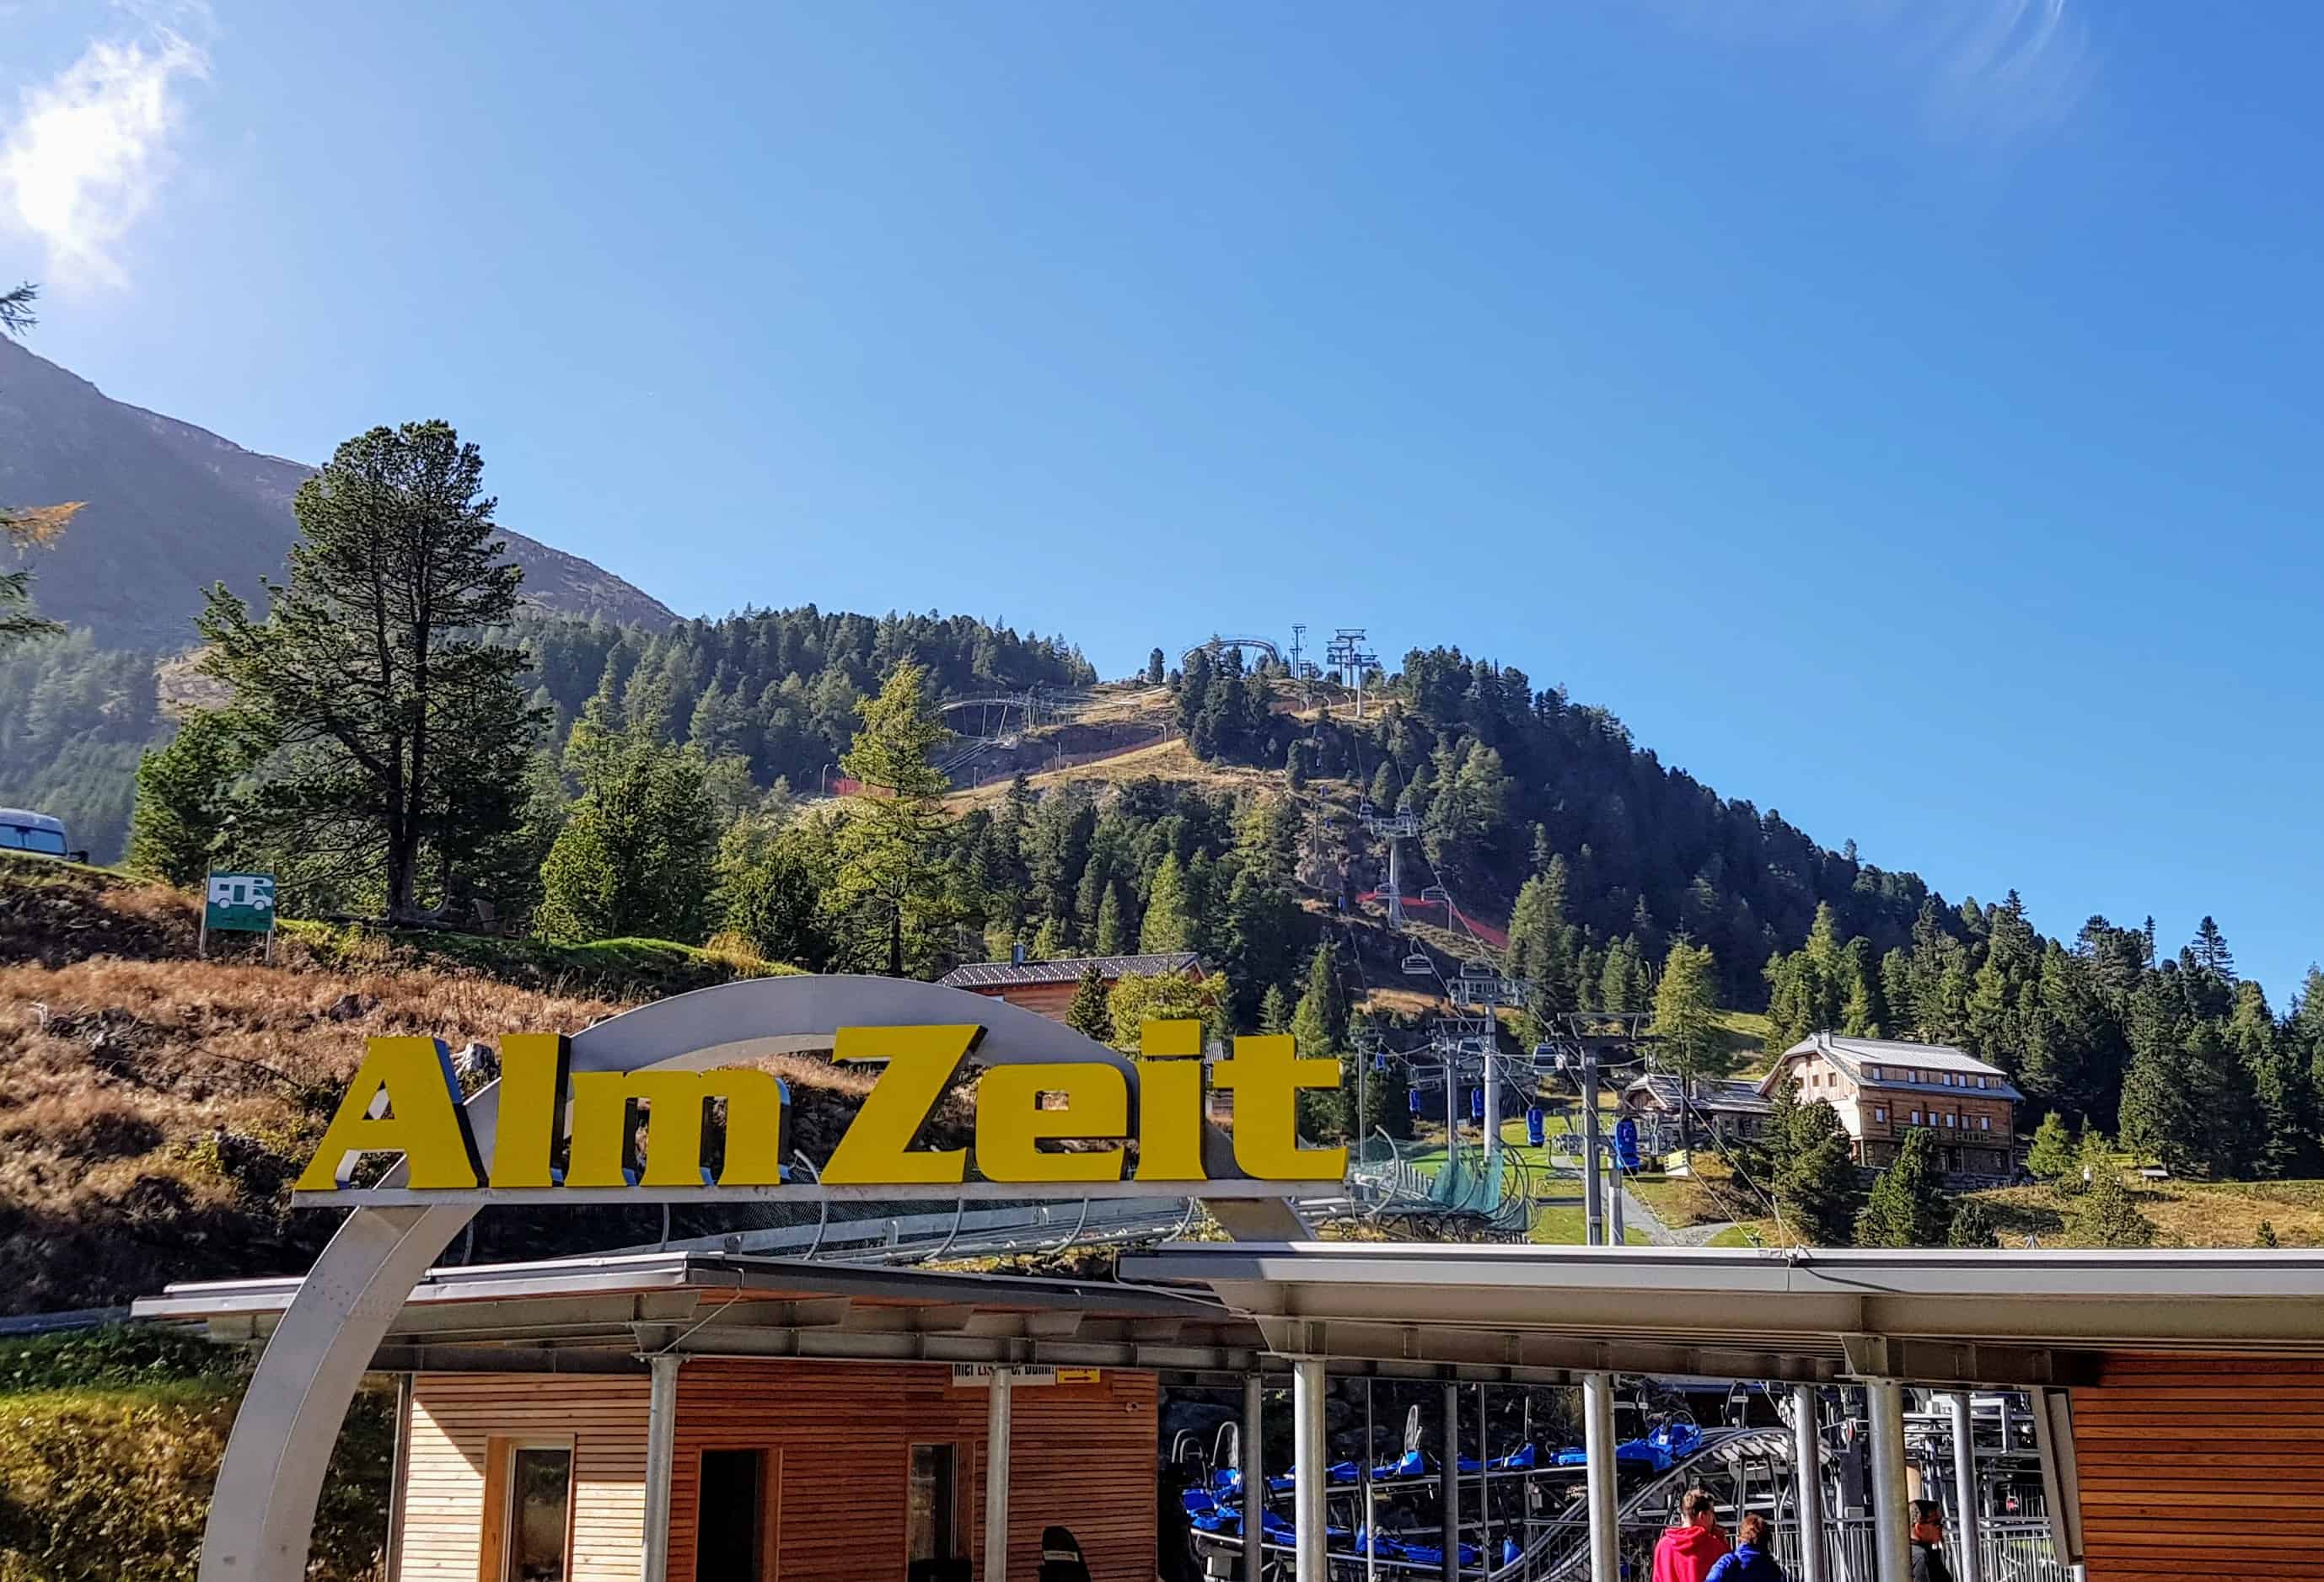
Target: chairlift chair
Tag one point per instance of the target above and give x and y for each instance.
(1437, 894)
(1418, 965)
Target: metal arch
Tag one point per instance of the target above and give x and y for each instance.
(1219, 644)
(262, 1515)
(822, 1206)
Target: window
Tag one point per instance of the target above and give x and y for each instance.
(16, 837)
(1871, 1073)
(1878, 1114)
(1981, 1081)
(730, 1524)
(1985, 1123)
(1916, 1118)
(1950, 1119)
(540, 1502)
(931, 1509)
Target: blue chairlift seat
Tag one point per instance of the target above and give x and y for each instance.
(1537, 1126)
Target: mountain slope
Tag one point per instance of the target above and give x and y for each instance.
(172, 508)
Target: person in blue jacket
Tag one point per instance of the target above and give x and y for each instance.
(1754, 1556)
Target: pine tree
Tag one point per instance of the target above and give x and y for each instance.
(366, 671)
(1113, 931)
(186, 797)
(2266, 1236)
(892, 902)
(1157, 669)
(1686, 1009)
(637, 856)
(1320, 1024)
(2211, 952)
(1973, 1226)
(770, 877)
(1816, 1185)
(2105, 1216)
(1383, 786)
(2052, 1156)
(1052, 941)
(1170, 923)
(1090, 1014)
(1907, 1205)
(1275, 1010)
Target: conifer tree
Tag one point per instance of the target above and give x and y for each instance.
(1686, 1009)
(1320, 1024)
(1089, 1014)
(186, 797)
(2105, 1216)
(1815, 1183)
(1275, 1010)
(1907, 1206)
(1973, 1226)
(1157, 669)
(638, 852)
(2052, 1156)
(892, 902)
(1113, 931)
(387, 710)
(1052, 941)
(770, 877)
(1169, 924)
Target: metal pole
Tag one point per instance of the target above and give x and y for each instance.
(1884, 1400)
(398, 1477)
(661, 1447)
(1448, 1485)
(1807, 1473)
(1369, 1525)
(1254, 1478)
(1598, 1446)
(1618, 1235)
(996, 1478)
(1594, 1186)
(1308, 1471)
(1969, 1561)
(1484, 1475)
(1492, 1108)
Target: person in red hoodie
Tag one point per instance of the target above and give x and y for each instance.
(1686, 1552)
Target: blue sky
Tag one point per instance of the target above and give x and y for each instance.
(1903, 415)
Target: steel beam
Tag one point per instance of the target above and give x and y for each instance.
(661, 1456)
(1449, 1485)
(1309, 1471)
(1598, 1447)
(1252, 1458)
(1884, 1400)
(996, 1478)
(1807, 1470)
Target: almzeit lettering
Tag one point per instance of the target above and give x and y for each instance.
(405, 1099)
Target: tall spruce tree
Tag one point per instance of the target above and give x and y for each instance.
(1320, 1024)
(638, 852)
(1907, 1205)
(1089, 1015)
(891, 900)
(1170, 923)
(1816, 1182)
(367, 673)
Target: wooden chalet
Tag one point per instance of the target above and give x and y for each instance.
(1882, 1090)
(1047, 987)
(1731, 1111)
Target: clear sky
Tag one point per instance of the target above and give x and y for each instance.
(1904, 415)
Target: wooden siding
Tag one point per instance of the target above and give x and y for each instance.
(1083, 1456)
(456, 1421)
(2200, 1467)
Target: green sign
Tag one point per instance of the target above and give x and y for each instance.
(243, 901)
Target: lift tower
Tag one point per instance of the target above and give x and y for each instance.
(1352, 661)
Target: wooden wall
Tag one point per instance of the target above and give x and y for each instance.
(840, 1435)
(2201, 1467)
(454, 1419)
(1082, 1456)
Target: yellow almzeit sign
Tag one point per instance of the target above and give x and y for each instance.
(405, 1099)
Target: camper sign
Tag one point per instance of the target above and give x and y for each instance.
(1101, 1127)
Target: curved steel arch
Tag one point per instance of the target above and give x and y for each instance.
(261, 1513)
(1264, 645)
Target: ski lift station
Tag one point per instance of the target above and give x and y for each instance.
(1310, 1411)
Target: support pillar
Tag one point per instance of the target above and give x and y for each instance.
(1807, 1468)
(1448, 1485)
(996, 1477)
(1598, 1446)
(1368, 1521)
(1892, 1527)
(1309, 1471)
(661, 1453)
(1593, 1183)
(1968, 1557)
(1492, 1107)
(398, 1479)
(1254, 1478)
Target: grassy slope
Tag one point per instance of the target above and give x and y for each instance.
(2186, 1213)
(153, 1107)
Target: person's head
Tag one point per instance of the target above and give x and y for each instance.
(1752, 1531)
(1927, 1520)
(1698, 1509)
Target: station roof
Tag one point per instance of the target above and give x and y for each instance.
(1890, 1059)
(604, 1314)
(1069, 970)
(1999, 1318)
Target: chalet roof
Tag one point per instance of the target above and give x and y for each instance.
(1891, 1058)
(1068, 969)
(1711, 1094)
